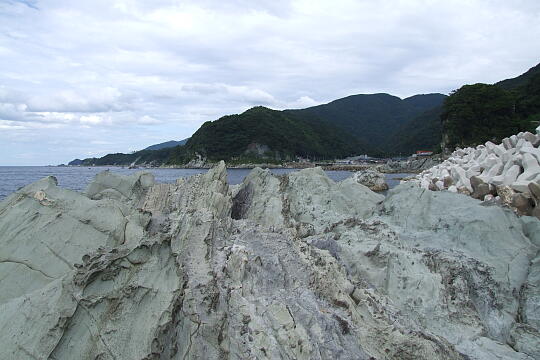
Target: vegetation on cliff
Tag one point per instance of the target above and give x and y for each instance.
(477, 113)
(274, 134)
(378, 120)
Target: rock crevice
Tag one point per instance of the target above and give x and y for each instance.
(279, 267)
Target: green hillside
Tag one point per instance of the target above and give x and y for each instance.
(257, 135)
(373, 119)
(264, 133)
(477, 113)
(421, 133)
(521, 80)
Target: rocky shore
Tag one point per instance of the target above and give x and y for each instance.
(278, 267)
(409, 166)
(507, 173)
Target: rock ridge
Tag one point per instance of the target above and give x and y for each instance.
(279, 267)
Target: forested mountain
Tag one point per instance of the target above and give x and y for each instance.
(521, 80)
(167, 144)
(265, 133)
(421, 133)
(477, 113)
(374, 124)
(374, 119)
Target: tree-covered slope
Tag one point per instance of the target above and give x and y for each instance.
(266, 133)
(359, 124)
(521, 80)
(421, 133)
(167, 144)
(259, 134)
(156, 157)
(373, 119)
(477, 113)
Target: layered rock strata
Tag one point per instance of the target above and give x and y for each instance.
(508, 173)
(278, 267)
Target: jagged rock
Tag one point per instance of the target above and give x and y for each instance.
(198, 162)
(290, 267)
(505, 193)
(535, 190)
(522, 203)
(374, 180)
(448, 181)
(480, 188)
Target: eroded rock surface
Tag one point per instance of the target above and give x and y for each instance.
(373, 179)
(278, 267)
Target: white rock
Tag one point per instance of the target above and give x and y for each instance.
(460, 178)
(533, 151)
(440, 185)
(507, 144)
(513, 140)
(530, 166)
(521, 186)
(511, 175)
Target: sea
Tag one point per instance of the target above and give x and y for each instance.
(77, 178)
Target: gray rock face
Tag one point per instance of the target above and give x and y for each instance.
(282, 267)
(373, 179)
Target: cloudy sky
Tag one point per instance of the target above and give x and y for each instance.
(86, 78)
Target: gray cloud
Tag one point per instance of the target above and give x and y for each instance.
(89, 77)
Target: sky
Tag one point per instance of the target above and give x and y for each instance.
(87, 78)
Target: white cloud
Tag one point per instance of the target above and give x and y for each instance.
(302, 102)
(84, 100)
(166, 66)
(91, 119)
(148, 120)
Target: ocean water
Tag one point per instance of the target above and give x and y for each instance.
(13, 178)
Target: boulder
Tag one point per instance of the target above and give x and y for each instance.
(505, 193)
(535, 191)
(480, 188)
(373, 179)
(522, 203)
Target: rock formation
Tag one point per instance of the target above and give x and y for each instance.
(508, 173)
(373, 179)
(413, 165)
(278, 267)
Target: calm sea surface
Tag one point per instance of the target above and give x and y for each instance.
(13, 178)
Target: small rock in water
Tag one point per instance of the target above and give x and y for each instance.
(373, 179)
